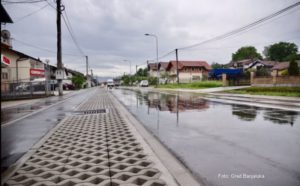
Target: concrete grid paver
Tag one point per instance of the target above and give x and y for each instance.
(90, 149)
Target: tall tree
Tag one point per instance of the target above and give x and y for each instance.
(247, 52)
(142, 72)
(281, 51)
(293, 68)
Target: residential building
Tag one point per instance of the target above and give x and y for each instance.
(258, 64)
(18, 67)
(252, 64)
(152, 69)
(188, 71)
(244, 64)
(281, 67)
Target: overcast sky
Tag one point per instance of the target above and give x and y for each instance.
(110, 31)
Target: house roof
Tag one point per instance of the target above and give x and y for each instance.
(243, 62)
(182, 64)
(19, 53)
(163, 65)
(152, 66)
(283, 65)
(5, 18)
(269, 63)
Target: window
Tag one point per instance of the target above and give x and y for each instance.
(195, 77)
(4, 75)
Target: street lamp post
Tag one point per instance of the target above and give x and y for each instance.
(156, 39)
(47, 77)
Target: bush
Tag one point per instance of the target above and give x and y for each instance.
(78, 81)
(262, 72)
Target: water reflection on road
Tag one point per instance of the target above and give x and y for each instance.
(215, 139)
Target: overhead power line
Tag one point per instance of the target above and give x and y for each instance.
(30, 14)
(40, 48)
(244, 28)
(69, 28)
(23, 2)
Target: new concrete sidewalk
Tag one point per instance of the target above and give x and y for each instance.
(99, 144)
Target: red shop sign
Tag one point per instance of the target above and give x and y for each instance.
(5, 60)
(37, 72)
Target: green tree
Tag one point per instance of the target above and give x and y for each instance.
(215, 65)
(78, 80)
(281, 51)
(293, 67)
(247, 52)
(141, 72)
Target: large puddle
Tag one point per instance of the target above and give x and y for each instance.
(222, 144)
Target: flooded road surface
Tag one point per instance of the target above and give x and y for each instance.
(222, 144)
(15, 112)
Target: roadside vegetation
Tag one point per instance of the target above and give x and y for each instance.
(194, 85)
(269, 91)
(78, 81)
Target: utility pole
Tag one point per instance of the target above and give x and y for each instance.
(87, 72)
(92, 77)
(135, 69)
(176, 52)
(59, 56)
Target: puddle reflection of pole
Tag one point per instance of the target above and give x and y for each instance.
(137, 102)
(148, 104)
(158, 117)
(177, 113)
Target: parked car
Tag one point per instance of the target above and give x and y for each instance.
(67, 86)
(22, 87)
(144, 83)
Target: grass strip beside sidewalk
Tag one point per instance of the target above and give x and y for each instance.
(194, 85)
(269, 91)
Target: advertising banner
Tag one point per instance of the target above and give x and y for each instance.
(5, 60)
(37, 72)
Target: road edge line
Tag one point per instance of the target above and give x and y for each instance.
(35, 112)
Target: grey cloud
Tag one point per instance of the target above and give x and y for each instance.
(111, 31)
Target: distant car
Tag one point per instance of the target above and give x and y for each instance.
(110, 83)
(144, 83)
(67, 86)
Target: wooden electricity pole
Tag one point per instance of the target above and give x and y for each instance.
(176, 52)
(59, 56)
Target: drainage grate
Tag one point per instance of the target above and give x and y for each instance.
(96, 111)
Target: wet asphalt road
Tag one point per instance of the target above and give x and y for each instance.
(222, 144)
(17, 138)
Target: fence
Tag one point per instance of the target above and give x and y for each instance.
(26, 89)
(275, 81)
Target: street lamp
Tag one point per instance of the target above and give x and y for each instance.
(129, 63)
(156, 39)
